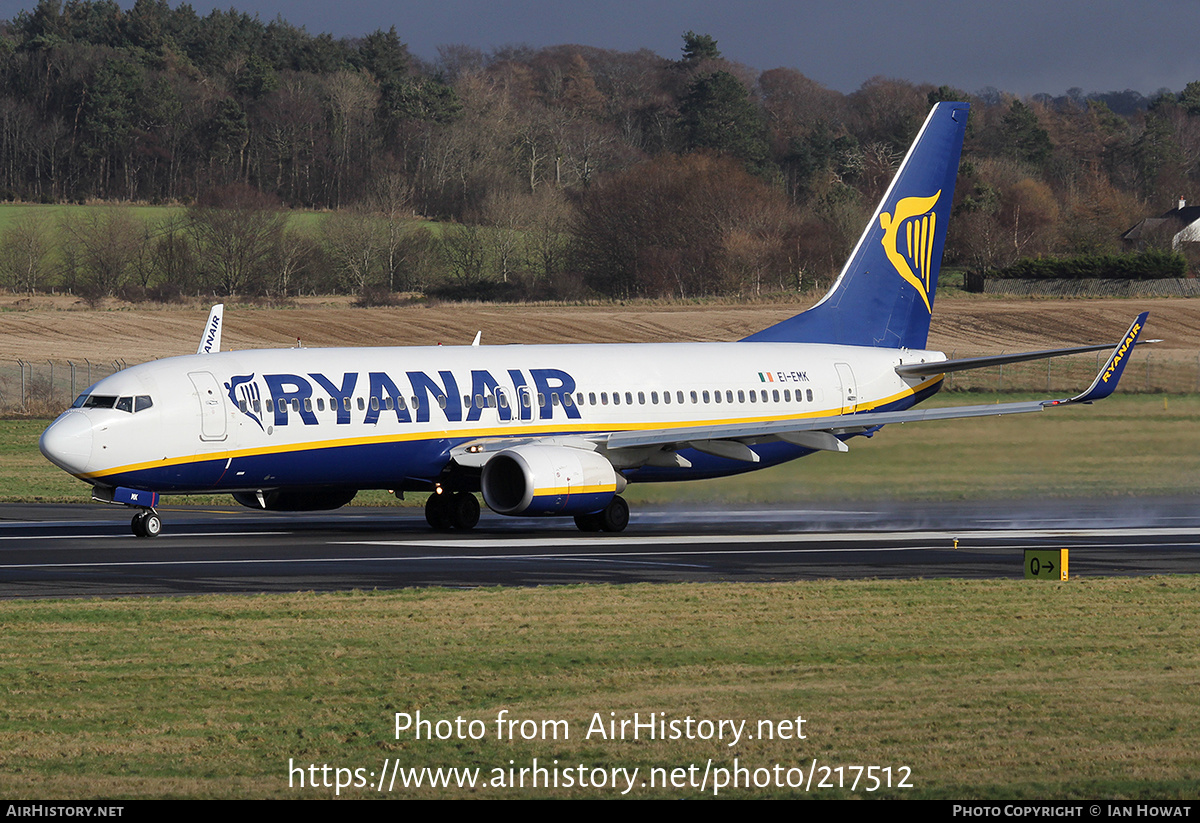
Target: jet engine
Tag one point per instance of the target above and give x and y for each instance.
(536, 480)
(296, 500)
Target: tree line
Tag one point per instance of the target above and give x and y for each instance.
(552, 170)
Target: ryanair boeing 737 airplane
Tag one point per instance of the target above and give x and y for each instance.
(548, 430)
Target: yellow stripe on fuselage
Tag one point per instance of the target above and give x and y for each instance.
(510, 429)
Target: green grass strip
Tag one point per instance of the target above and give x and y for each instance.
(985, 689)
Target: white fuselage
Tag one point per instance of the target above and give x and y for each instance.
(388, 417)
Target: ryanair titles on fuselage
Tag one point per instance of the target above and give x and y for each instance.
(537, 391)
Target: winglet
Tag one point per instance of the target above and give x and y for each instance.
(210, 341)
(1106, 381)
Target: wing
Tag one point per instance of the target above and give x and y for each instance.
(702, 436)
(733, 440)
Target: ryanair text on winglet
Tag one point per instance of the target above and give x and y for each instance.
(1121, 350)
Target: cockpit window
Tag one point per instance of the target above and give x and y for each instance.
(105, 401)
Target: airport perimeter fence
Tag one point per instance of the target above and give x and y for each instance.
(44, 388)
(47, 387)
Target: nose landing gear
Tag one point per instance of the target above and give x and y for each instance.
(146, 523)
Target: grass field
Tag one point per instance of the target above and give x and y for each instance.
(984, 689)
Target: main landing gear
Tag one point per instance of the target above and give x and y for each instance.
(146, 523)
(612, 518)
(460, 510)
(457, 510)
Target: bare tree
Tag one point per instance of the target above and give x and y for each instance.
(357, 248)
(24, 247)
(106, 243)
(235, 228)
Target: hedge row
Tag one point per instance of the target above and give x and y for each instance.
(1147, 265)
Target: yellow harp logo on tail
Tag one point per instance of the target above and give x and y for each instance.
(908, 241)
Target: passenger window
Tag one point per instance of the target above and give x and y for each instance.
(554, 398)
(362, 404)
(504, 401)
(706, 397)
(679, 396)
(695, 399)
(400, 404)
(628, 398)
(787, 395)
(296, 404)
(616, 398)
(541, 399)
(387, 403)
(641, 398)
(603, 398)
(374, 403)
(591, 398)
(729, 395)
(716, 396)
(270, 405)
(809, 393)
(569, 400)
(666, 396)
(775, 395)
(320, 404)
(753, 397)
(442, 401)
(308, 404)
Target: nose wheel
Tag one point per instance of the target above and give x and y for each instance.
(146, 523)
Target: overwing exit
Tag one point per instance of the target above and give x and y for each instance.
(549, 430)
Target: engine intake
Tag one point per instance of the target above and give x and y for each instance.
(545, 480)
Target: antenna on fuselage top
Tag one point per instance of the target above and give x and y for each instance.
(210, 341)
(478, 335)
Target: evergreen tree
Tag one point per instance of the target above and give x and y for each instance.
(718, 114)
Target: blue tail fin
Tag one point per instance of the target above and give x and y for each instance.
(884, 295)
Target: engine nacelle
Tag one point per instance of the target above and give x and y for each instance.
(535, 480)
(296, 500)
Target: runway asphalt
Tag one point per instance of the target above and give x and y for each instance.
(87, 551)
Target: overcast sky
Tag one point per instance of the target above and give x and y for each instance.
(1020, 46)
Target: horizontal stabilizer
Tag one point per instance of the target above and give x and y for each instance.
(968, 363)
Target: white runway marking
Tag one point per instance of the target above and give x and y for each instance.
(747, 539)
(164, 535)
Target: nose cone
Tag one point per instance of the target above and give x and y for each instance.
(67, 443)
